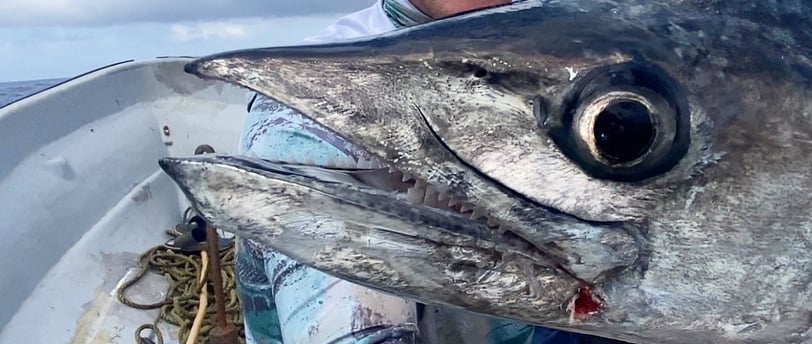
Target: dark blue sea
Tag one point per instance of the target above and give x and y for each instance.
(11, 91)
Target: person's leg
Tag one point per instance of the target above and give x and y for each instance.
(317, 308)
(260, 316)
(298, 304)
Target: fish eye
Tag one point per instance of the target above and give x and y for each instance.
(625, 122)
(623, 131)
(618, 127)
(480, 73)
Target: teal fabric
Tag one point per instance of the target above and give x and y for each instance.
(402, 13)
(256, 295)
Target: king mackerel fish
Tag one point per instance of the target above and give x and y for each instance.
(636, 170)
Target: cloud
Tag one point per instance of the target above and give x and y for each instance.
(16, 13)
(56, 52)
(204, 31)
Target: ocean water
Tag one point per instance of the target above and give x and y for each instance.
(11, 91)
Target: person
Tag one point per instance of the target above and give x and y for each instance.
(286, 302)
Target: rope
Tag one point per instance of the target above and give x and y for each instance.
(143, 340)
(180, 305)
(203, 301)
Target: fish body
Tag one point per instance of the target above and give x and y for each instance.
(636, 170)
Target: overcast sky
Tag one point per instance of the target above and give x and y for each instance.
(43, 39)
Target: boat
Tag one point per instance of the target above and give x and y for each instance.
(82, 195)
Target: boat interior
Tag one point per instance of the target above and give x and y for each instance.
(83, 196)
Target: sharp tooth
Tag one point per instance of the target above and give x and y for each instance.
(501, 230)
(415, 195)
(431, 197)
(478, 212)
(452, 202)
(491, 222)
(466, 208)
(442, 196)
(406, 178)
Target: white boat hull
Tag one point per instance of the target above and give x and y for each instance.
(81, 193)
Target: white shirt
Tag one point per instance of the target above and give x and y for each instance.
(369, 21)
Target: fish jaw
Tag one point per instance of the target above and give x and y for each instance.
(327, 219)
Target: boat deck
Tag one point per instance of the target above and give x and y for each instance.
(95, 267)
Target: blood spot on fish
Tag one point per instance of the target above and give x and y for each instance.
(586, 303)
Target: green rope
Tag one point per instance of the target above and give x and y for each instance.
(179, 306)
(143, 340)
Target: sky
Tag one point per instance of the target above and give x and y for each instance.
(45, 39)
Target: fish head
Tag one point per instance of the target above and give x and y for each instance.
(634, 170)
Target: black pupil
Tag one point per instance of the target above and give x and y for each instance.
(624, 131)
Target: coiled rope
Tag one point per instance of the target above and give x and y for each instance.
(180, 305)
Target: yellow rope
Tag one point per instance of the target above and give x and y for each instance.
(182, 299)
(203, 301)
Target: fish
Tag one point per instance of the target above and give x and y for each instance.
(635, 170)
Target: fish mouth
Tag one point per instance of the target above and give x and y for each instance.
(376, 226)
(369, 185)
